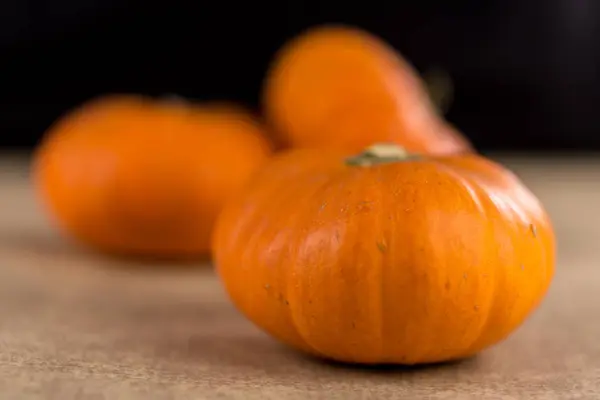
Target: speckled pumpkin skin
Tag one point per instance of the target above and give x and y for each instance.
(419, 261)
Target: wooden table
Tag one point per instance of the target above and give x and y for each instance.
(75, 325)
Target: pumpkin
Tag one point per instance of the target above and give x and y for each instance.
(130, 175)
(385, 257)
(341, 87)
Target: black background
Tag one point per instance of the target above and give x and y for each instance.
(525, 72)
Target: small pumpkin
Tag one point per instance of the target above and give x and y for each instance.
(341, 87)
(385, 257)
(131, 175)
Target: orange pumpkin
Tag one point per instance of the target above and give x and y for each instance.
(384, 257)
(131, 175)
(343, 88)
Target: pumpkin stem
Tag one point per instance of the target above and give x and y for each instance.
(439, 88)
(173, 98)
(380, 153)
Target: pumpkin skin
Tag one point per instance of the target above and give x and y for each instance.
(423, 260)
(343, 88)
(129, 175)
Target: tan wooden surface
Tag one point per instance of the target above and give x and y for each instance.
(75, 325)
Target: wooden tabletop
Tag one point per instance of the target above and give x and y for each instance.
(75, 325)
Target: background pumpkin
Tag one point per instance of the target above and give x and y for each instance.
(344, 88)
(383, 258)
(131, 175)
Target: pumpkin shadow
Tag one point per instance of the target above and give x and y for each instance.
(400, 368)
(152, 264)
(252, 354)
(236, 348)
(201, 335)
(38, 243)
(50, 245)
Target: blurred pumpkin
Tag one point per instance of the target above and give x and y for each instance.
(341, 87)
(385, 257)
(131, 175)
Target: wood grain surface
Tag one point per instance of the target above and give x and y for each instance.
(77, 325)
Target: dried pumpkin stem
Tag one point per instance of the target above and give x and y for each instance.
(173, 98)
(440, 89)
(380, 153)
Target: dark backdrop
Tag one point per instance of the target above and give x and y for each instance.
(525, 72)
